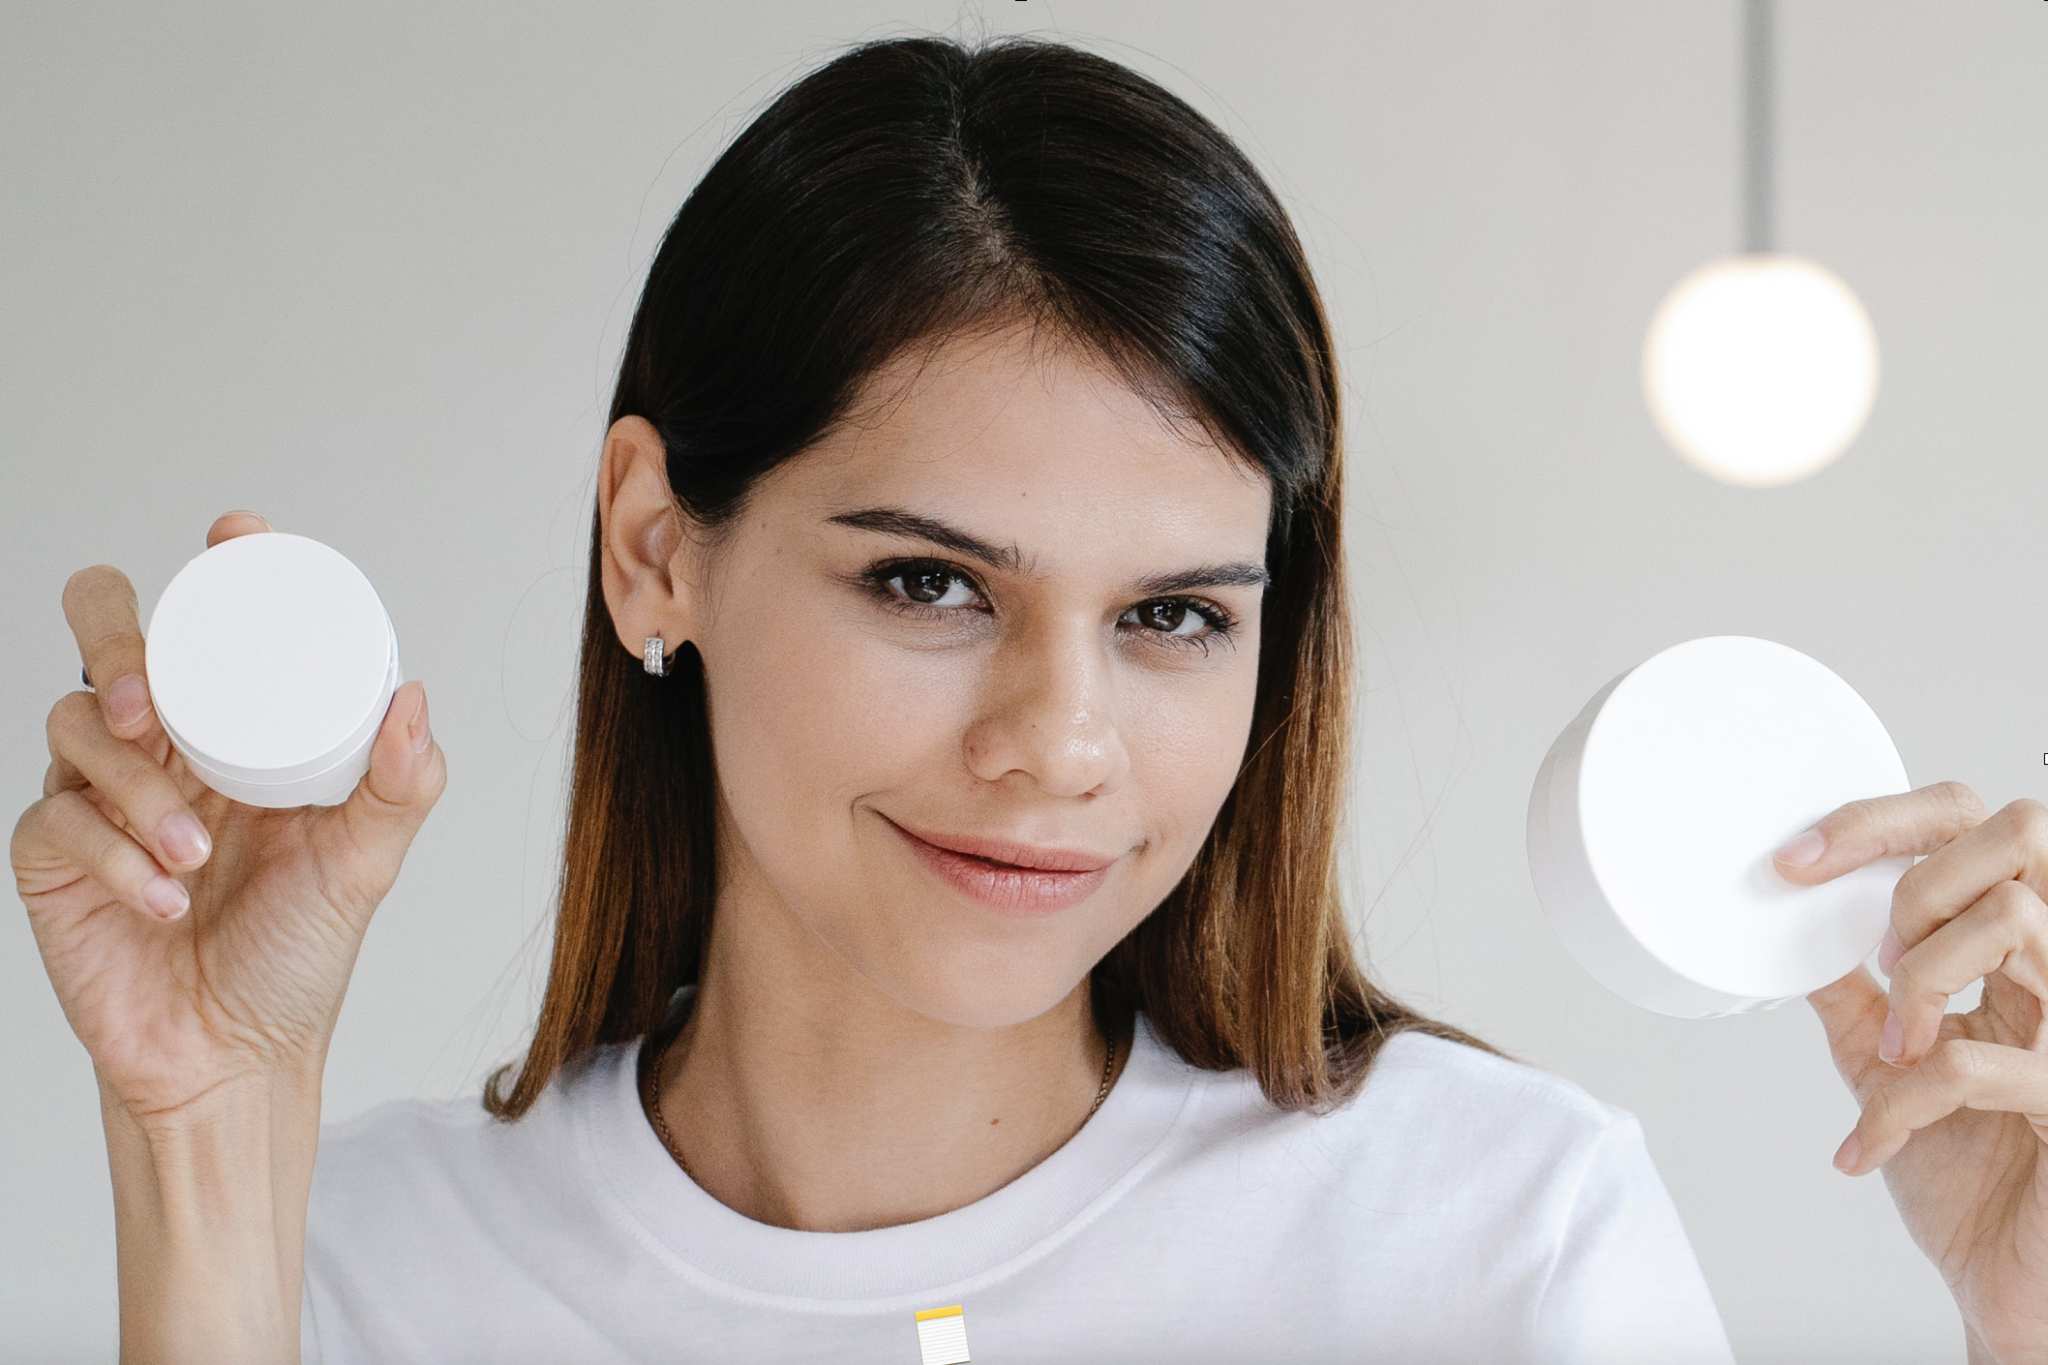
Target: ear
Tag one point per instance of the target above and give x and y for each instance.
(642, 549)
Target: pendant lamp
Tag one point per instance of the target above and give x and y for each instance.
(1760, 368)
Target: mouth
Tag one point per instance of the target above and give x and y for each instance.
(1009, 877)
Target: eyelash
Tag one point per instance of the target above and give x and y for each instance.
(1221, 624)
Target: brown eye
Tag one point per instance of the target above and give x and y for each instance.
(1169, 616)
(930, 585)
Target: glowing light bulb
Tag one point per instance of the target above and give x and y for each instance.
(1760, 369)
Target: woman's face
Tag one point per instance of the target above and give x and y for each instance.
(981, 667)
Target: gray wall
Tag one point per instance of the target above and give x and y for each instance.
(367, 270)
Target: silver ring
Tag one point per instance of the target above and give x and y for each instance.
(652, 656)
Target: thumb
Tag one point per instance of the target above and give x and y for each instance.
(1852, 1011)
(407, 774)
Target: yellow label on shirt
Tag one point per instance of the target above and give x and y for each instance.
(942, 1336)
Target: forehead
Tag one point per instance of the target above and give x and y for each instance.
(1032, 440)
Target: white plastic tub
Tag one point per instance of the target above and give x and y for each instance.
(271, 663)
(1655, 816)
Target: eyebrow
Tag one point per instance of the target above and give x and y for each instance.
(895, 521)
(1207, 576)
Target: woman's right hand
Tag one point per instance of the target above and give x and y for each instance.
(196, 943)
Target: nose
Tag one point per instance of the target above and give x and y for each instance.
(1049, 714)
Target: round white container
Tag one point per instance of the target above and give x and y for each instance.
(1655, 815)
(271, 662)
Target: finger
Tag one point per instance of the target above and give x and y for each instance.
(2006, 930)
(1911, 823)
(1959, 1074)
(71, 828)
(99, 604)
(148, 800)
(1852, 1011)
(231, 524)
(407, 775)
(2010, 845)
(63, 775)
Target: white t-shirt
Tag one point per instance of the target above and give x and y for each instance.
(1461, 1209)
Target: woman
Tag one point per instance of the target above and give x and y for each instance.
(948, 942)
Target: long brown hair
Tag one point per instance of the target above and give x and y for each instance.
(903, 191)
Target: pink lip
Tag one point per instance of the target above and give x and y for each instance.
(1009, 877)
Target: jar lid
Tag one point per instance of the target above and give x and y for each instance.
(1654, 817)
(271, 660)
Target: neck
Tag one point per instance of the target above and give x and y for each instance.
(802, 1096)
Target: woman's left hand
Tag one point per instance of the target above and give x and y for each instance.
(1955, 1106)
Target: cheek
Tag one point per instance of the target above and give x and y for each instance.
(1186, 738)
(811, 713)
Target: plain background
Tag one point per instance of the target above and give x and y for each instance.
(366, 269)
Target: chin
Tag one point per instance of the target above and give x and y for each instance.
(945, 988)
(956, 962)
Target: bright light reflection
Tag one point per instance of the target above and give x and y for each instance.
(1760, 369)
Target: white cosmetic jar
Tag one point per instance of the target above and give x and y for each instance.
(1655, 816)
(271, 663)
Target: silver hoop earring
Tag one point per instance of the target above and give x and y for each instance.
(651, 656)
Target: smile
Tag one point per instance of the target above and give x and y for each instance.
(1009, 877)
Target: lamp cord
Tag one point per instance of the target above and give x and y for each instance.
(1759, 126)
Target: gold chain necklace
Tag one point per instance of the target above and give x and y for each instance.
(650, 1097)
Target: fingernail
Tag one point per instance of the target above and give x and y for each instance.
(184, 838)
(1892, 1041)
(1890, 951)
(422, 736)
(1849, 1153)
(1803, 850)
(128, 699)
(166, 897)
